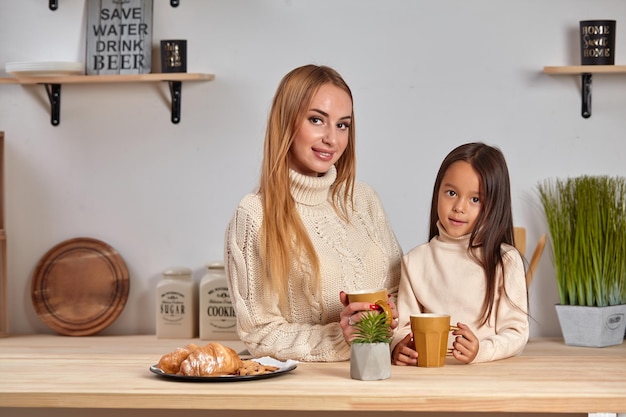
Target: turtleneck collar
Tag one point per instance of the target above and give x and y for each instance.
(446, 238)
(309, 190)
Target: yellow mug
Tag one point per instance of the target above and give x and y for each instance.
(376, 297)
(430, 334)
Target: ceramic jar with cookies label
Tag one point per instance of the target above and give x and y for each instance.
(217, 314)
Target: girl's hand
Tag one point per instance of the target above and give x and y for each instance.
(465, 345)
(351, 314)
(404, 354)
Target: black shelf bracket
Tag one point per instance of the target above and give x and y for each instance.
(54, 95)
(176, 89)
(586, 95)
(54, 4)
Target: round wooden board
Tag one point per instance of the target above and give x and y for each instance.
(80, 287)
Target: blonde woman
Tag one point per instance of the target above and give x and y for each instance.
(311, 232)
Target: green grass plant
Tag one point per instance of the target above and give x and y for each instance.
(586, 216)
(372, 328)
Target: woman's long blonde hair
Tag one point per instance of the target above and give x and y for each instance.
(285, 243)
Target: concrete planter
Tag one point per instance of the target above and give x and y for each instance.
(592, 326)
(370, 361)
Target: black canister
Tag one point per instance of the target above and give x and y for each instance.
(597, 42)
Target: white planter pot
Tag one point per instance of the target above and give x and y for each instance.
(370, 361)
(592, 326)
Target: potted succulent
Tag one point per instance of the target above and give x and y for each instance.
(370, 357)
(586, 217)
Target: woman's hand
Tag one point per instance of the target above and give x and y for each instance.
(403, 353)
(394, 311)
(351, 314)
(465, 345)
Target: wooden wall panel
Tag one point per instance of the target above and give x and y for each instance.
(4, 322)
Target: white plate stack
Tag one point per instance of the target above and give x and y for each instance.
(44, 69)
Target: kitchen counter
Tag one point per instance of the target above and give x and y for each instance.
(112, 372)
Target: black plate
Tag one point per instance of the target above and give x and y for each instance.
(283, 367)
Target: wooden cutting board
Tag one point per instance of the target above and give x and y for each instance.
(80, 286)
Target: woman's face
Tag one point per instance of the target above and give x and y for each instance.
(323, 134)
(459, 199)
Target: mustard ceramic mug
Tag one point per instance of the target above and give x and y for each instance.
(377, 296)
(430, 334)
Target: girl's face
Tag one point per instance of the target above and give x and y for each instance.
(323, 134)
(459, 199)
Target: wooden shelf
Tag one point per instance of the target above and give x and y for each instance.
(53, 86)
(93, 79)
(585, 71)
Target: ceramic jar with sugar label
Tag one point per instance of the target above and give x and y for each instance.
(217, 315)
(177, 305)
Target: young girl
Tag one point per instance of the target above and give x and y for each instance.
(469, 268)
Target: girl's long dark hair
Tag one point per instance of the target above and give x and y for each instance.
(494, 225)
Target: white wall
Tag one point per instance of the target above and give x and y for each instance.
(426, 77)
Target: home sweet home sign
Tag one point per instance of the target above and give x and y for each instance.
(119, 37)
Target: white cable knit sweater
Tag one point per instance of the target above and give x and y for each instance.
(361, 254)
(440, 277)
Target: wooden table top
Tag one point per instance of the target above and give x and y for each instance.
(113, 372)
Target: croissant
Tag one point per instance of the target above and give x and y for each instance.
(211, 360)
(170, 362)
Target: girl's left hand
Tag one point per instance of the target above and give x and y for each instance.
(465, 345)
